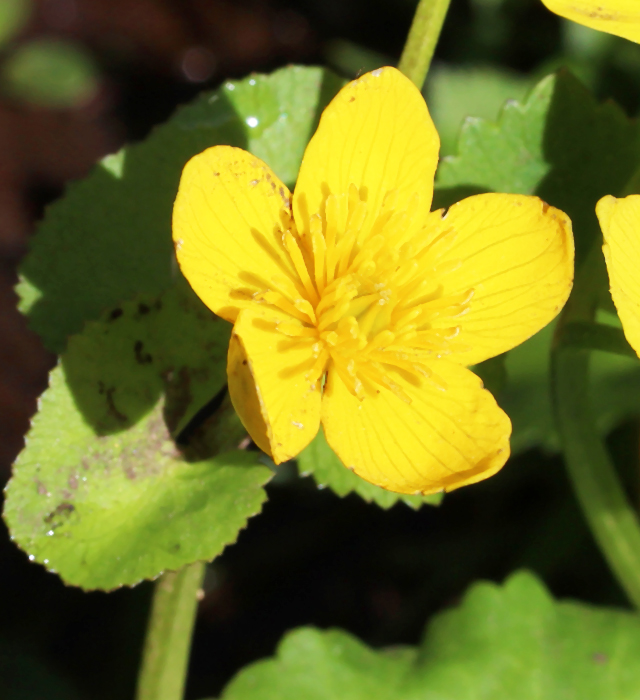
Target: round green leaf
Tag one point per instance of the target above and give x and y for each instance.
(102, 493)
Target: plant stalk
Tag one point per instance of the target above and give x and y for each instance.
(168, 641)
(422, 39)
(165, 657)
(613, 522)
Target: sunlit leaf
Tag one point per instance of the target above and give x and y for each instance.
(455, 93)
(102, 493)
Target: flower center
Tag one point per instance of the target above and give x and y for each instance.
(369, 298)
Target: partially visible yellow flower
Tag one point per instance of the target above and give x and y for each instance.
(620, 224)
(619, 17)
(354, 306)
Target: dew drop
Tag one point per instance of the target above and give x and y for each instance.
(32, 557)
(230, 86)
(252, 122)
(50, 533)
(46, 561)
(252, 82)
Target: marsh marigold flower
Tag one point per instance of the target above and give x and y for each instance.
(619, 17)
(620, 223)
(354, 306)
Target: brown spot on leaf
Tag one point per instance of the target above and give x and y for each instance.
(58, 516)
(42, 489)
(143, 309)
(145, 457)
(116, 313)
(142, 358)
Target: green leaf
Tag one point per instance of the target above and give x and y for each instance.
(50, 73)
(563, 146)
(109, 238)
(320, 461)
(102, 493)
(501, 643)
(118, 368)
(453, 93)
(323, 665)
(560, 144)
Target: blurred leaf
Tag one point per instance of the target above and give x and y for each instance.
(455, 93)
(13, 16)
(324, 665)
(320, 461)
(102, 494)
(501, 643)
(615, 390)
(353, 59)
(563, 146)
(50, 73)
(109, 238)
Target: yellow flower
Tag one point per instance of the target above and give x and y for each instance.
(619, 17)
(354, 306)
(620, 223)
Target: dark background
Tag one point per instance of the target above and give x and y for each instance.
(310, 557)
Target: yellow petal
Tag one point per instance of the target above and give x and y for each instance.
(619, 17)
(377, 135)
(268, 386)
(443, 439)
(228, 220)
(620, 223)
(516, 254)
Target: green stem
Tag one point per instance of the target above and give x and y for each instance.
(168, 641)
(423, 37)
(612, 520)
(173, 611)
(583, 335)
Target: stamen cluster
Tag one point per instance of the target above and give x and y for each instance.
(368, 298)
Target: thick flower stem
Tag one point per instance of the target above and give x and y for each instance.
(167, 644)
(168, 641)
(423, 37)
(612, 520)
